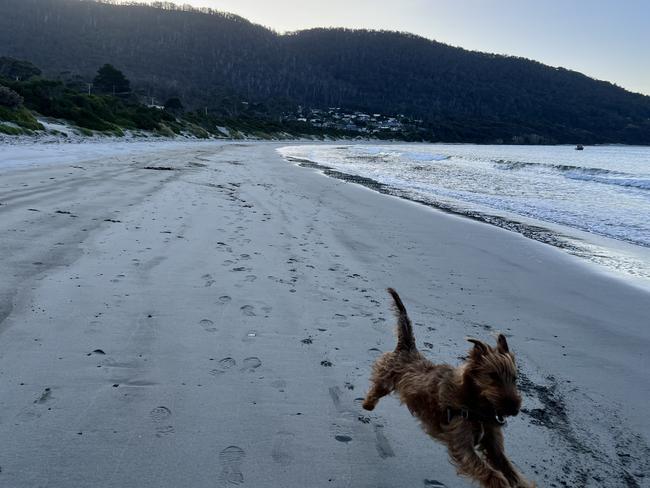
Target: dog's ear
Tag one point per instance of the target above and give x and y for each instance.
(502, 344)
(480, 347)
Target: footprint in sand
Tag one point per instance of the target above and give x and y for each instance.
(282, 451)
(251, 364)
(160, 416)
(223, 366)
(358, 402)
(374, 352)
(343, 438)
(209, 281)
(342, 428)
(279, 384)
(378, 323)
(250, 278)
(28, 415)
(248, 310)
(208, 325)
(224, 299)
(230, 460)
(45, 396)
(434, 484)
(381, 442)
(335, 395)
(239, 269)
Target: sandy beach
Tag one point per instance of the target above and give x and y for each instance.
(211, 321)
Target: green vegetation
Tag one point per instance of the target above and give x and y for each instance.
(20, 96)
(24, 93)
(12, 131)
(15, 69)
(9, 98)
(20, 119)
(110, 80)
(103, 113)
(174, 105)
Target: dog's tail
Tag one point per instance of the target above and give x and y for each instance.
(405, 338)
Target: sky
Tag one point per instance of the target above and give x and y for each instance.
(604, 39)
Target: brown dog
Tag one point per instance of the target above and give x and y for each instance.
(462, 407)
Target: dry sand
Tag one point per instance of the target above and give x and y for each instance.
(214, 325)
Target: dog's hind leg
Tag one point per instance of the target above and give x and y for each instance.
(470, 464)
(492, 446)
(377, 391)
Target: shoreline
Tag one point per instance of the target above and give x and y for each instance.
(238, 303)
(581, 244)
(48, 138)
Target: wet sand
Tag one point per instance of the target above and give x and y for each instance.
(214, 325)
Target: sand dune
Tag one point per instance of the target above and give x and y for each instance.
(214, 324)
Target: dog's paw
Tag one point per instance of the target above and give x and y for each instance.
(497, 480)
(522, 483)
(368, 405)
(525, 484)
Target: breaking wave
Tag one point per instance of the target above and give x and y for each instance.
(597, 175)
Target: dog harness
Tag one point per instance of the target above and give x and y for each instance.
(467, 414)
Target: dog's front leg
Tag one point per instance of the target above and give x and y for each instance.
(377, 391)
(492, 446)
(461, 450)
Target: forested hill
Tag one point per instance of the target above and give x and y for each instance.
(218, 60)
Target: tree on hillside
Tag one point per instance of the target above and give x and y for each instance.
(174, 106)
(112, 81)
(17, 70)
(9, 98)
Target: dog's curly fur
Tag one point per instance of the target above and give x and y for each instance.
(462, 407)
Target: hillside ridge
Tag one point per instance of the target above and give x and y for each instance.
(218, 60)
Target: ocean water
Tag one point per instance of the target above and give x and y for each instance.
(593, 203)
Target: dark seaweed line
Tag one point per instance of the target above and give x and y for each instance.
(554, 416)
(536, 233)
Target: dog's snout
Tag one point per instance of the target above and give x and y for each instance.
(512, 405)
